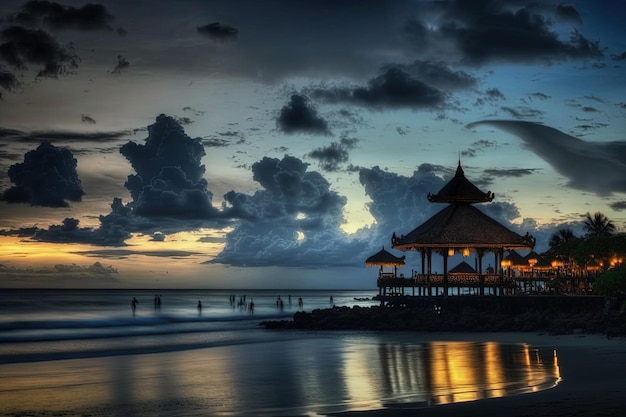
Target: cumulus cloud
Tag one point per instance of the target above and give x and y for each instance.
(299, 116)
(47, 177)
(591, 166)
(294, 220)
(169, 179)
(394, 88)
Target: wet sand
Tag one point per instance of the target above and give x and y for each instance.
(593, 372)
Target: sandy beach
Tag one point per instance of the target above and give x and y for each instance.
(84, 353)
(593, 372)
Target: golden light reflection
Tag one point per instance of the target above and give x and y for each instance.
(449, 372)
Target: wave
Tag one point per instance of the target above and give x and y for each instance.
(75, 329)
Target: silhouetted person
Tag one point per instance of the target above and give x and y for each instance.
(332, 302)
(199, 307)
(300, 303)
(251, 307)
(133, 305)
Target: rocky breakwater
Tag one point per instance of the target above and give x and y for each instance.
(479, 315)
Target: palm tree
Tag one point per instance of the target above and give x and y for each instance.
(598, 225)
(561, 236)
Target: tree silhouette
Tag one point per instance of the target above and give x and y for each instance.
(598, 225)
(561, 236)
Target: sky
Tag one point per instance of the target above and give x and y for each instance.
(278, 144)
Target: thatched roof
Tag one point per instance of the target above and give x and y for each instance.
(384, 258)
(516, 259)
(459, 189)
(462, 226)
(542, 263)
(462, 268)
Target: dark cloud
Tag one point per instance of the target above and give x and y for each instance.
(620, 57)
(169, 179)
(394, 88)
(21, 47)
(511, 172)
(122, 64)
(95, 268)
(438, 74)
(8, 80)
(216, 30)
(55, 16)
(332, 156)
(299, 116)
(540, 96)
(69, 232)
(61, 273)
(56, 136)
(490, 95)
(568, 13)
(596, 167)
(125, 253)
(523, 112)
(87, 119)
(485, 35)
(47, 177)
(618, 205)
(484, 31)
(215, 142)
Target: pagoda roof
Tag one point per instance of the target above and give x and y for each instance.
(462, 268)
(384, 258)
(459, 189)
(462, 226)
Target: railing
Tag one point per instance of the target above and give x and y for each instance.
(436, 280)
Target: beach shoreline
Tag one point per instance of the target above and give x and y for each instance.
(593, 372)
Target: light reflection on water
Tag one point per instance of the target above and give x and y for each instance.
(294, 376)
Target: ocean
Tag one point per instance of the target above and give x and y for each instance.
(89, 353)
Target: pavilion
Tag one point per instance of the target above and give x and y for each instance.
(460, 228)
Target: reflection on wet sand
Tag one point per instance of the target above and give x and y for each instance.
(447, 372)
(293, 376)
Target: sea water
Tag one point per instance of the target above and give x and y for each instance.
(88, 352)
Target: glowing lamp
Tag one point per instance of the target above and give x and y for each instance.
(450, 252)
(557, 264)
(532, 261)
(505, 263)
(466, 252)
